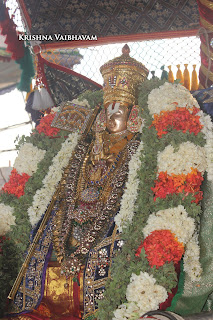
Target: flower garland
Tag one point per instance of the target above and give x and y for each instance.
(143, 294)
(7, 219)
(207, 130)
(28, 158)
(16, 183)
(180, 119)
(161, 246)
(170, 232)
(129, 197)
(191, 259)
(170, 96)
(188, 156)
(174, 219)
(178, 183)
(133, 220)
(43, 196)
(17, 238)
(45, 125)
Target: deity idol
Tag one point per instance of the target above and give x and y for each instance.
(67, 270)
(125, 217)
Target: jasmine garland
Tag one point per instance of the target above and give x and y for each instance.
(43, 196)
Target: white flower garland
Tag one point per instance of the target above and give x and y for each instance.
(187, 157)
(7, 219)
(28, 158)
(43, 196)
(191, 258)
(143, 294)
(169, 96)
(174, 219)
(129, 197)
(207, 130)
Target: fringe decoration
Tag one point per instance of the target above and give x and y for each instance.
(47, 101)
(37, 101)
(195, 83)
(8, 29)
(179, 75)
(170, 75)
(186, 77)
(28, 72)
(29, 92)
(164, 74)
(35, 114)
(18, 52)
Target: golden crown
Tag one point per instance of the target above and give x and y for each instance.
(122, 76)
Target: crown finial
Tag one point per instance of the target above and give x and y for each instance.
(126, 50)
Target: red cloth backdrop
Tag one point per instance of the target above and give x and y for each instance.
(206, 36)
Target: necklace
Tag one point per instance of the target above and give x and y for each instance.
(115, 137)
(105, 208)
(106, 172)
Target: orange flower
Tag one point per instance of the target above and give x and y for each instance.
(45, 126)
(16, 183)
(161, 246)
(179, 183)
(180, 119)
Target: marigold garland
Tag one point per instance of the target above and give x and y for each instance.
(45, 126)
(16, 183)
(180, 119)
(179, 183)
(161, 246)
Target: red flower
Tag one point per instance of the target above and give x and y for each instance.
(16, 183)
(161, 246)
(45, 126)
(178, 183)
(180, 119)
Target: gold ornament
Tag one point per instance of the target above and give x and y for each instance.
(134, 122)
(122, 76)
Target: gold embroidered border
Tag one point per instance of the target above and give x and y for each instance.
(206, 24)
(205, 51)
(207, 3)
(206, 72)
(35, 274)
(90, 285)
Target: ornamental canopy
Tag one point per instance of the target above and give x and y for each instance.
(111, 21)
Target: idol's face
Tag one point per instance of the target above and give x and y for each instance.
(116, 118)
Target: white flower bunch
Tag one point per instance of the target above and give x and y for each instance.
(43, 196)
(28, 158)
(207, 130)
(127, 311)
(174, 219)
(169, 96)
(143, 295)
(7, 218)
(191, 258)
(188, 156)
(126, 212)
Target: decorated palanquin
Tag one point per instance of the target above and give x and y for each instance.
(117, 227)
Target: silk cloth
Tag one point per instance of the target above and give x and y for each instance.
(198, 296)
(61, 297)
